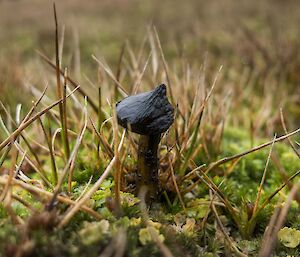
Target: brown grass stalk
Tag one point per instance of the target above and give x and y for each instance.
(218, 163)
(286, 132)
(121, 89)
(268, 248)
(70, 161)
(73, 83)
(227, 238)
(50, 147)
(29, 121)
(39, 191)
(263, 178)
(73, 210)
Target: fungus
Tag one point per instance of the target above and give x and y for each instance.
(148, 114)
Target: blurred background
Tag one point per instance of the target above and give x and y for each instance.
(261, 37)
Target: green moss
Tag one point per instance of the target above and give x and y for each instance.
(3, 211)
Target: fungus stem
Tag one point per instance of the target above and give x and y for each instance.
(148, 166)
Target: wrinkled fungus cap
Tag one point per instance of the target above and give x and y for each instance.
(146, 113)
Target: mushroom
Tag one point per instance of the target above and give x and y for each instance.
(148, 114)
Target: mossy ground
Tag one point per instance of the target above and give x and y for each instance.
(182, 230)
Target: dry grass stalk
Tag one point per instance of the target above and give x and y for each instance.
(263, 178)
(121, 89)
(73, 83)
(227, 237)
(218, 163)
(42, 192)
(286, 132)
(24, 125)
(268, 248)
(50, 146)
(71, 160)
(72, 211)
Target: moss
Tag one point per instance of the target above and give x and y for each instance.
(3, 211)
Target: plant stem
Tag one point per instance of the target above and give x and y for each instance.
(148, 166)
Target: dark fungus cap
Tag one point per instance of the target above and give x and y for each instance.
(146, 113)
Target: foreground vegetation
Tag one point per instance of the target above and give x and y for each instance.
(228, 170)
